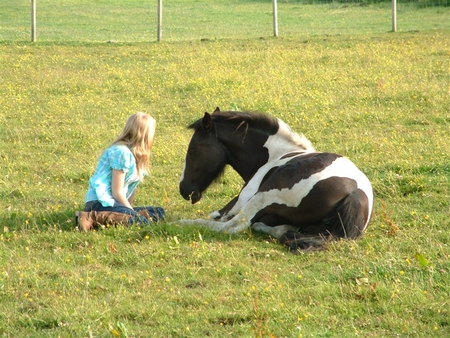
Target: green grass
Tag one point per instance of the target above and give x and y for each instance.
(381, 99)
(136, 21)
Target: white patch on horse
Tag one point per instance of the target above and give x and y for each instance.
(286, 141)
(253, 185)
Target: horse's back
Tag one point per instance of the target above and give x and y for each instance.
(304, 170)
(307, 189)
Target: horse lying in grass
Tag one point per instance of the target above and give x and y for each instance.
(302, 197)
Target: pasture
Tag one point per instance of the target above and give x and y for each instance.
(381, 99)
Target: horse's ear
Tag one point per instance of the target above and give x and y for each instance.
(217, 111)
(207, 122)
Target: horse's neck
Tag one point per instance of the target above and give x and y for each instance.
(286, 141)
(246, 152)
(278, 147)
(250, 150)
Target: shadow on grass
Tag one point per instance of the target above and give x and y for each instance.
(65, 221)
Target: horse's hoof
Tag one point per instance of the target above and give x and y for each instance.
(259, 226)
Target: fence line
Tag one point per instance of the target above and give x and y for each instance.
(159, 20)
(135, 20)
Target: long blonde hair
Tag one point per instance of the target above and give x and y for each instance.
(138, 135)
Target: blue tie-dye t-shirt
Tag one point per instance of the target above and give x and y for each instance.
(118, 157)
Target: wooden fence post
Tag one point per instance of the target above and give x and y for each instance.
(159, 37)
(33, 20)
(394, 15)
(275, 18)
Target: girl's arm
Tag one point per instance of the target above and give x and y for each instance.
(118, 180)
(131, 198)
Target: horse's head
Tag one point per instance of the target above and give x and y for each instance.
(244, 140)
(205, 159)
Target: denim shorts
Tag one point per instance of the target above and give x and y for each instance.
(156, 213)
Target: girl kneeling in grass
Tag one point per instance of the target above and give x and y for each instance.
(121, 167)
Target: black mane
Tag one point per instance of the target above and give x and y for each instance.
(242, 119)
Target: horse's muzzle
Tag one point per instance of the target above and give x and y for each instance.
(193, 196)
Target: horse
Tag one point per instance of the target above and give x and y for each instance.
(302, 197)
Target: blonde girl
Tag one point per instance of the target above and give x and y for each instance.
(121, 167)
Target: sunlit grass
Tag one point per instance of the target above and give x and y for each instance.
(187, 20)
(382, 100)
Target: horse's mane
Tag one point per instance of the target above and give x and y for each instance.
(249, 119)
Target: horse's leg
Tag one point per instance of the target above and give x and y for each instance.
(237, 224)
(276, 231)
(222, 214)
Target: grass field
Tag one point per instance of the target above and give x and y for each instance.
(381, 99)
(136, 20)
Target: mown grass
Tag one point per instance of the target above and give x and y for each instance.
(136, 21)
(380, 99)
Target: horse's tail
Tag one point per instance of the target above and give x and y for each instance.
(348, 220)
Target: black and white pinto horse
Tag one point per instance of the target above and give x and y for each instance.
(302, 197)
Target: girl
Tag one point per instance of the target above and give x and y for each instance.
(121, 167)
